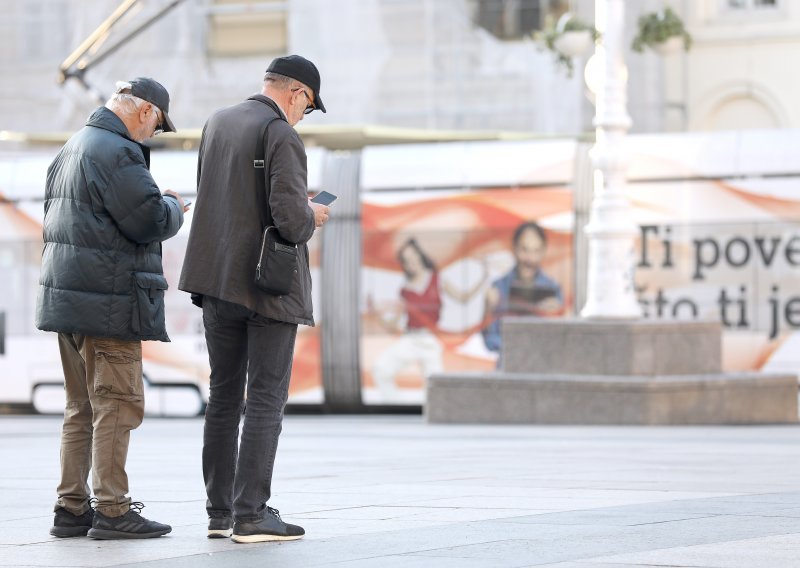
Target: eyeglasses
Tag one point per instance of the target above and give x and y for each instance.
(310, 108)
(160, 124)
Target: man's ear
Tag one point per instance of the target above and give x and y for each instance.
(143, 112)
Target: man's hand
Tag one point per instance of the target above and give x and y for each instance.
(549, 306)
(178, 197)
(320, 213)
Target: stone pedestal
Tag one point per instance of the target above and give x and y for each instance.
(611, 372)
(623, 347)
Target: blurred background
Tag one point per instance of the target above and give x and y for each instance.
(449, 123)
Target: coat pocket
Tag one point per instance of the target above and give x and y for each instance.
(147, 319)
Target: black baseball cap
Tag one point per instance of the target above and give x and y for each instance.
(303, 70)
(153, 92)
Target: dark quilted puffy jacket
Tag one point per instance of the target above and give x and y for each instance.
(104, 222)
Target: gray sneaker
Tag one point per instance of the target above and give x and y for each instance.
(271, 527)
(129, 525)
(219, 527)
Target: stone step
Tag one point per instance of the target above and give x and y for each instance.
(530, 398)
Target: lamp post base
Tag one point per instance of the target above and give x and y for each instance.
(610, 291)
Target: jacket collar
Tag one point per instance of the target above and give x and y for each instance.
(270, 103)
(108, 120)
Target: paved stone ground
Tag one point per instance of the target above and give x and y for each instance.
(391, 491)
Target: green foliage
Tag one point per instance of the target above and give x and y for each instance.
(657, 27)
(549, 35)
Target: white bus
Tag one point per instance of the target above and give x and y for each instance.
(720, 240)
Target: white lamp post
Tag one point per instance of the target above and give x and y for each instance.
(611, 231)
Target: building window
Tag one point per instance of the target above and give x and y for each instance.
(247, 27)
(515, 19)
(750, 4)
(750, 11)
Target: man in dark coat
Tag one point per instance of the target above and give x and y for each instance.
(250, 334)
(102, 290)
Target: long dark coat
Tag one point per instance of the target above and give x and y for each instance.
(231, 207)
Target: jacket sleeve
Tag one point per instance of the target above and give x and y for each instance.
(288, 197)
(134, 201)
(200, 154)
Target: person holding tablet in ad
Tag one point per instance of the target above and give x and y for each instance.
(526, 289)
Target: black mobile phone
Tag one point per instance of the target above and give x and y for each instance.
(187, 202)
(324, 198)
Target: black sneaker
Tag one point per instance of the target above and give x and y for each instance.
(129, 525)
(219, 527)
(65, 524)
(271, 527)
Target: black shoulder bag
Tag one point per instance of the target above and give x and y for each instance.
(277, 257)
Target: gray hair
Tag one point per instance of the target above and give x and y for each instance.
(282, 81)
(125, 103)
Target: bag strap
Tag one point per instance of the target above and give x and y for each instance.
(260, 163)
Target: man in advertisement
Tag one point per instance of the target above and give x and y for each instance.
(102, 289)
(525, 289)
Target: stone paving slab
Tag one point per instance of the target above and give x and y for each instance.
(388, 491)
(780, 550)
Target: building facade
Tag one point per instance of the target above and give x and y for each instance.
(429, 64)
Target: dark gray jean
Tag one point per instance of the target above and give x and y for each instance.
(244, 348)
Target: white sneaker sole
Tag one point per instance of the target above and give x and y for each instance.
(220, 533)
(249, 538)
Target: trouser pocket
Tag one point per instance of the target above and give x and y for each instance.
(118, 369)
(147, 319)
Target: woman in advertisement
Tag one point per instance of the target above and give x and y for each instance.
(417, 320)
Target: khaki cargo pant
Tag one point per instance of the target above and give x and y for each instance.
(105, 401)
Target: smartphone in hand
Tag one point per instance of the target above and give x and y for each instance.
(187, 202)
(324, 198)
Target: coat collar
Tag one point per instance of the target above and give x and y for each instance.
(108, 120)
(270, 103)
